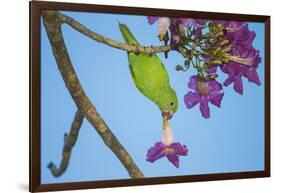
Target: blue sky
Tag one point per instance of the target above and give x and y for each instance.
(231, 141)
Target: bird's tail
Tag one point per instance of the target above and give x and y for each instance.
(127, 35)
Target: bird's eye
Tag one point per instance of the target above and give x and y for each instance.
(171, 103)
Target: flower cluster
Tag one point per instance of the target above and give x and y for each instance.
(209, 45)
(244, 57)
(206, 46)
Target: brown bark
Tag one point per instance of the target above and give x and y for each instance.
(69, 142)
(52, 22)
(105, 40)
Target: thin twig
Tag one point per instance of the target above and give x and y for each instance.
(69, 142)
(52, 25)
(105, 40)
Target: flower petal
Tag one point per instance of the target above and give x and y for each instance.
(204, 108)
(175, 33)
(238, 85)
(186, 21)
(174, 159)
(197, 31)
(192, 84)
(216, 98)
(212, 70)
(155, 152)
(254, 77)
(229, 79)
(191, 99)
(179, 149)
(152, 19)
(189, 21)
(214, 85)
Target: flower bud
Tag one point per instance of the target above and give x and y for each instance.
(219, 34)
(227, 49)
(226, 55)
(225, 60)
(224, 42)
(217, 50)
(187, 62)
(211, 77)
(220, 26)
(217, 62)
(179, 68)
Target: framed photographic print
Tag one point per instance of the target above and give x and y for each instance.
(123, 96)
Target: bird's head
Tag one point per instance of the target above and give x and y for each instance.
(168, 103)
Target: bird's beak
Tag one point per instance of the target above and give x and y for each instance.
(167, 114)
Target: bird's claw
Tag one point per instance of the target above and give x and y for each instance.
(150, 54)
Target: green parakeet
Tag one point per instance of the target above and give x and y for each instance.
(151, 77)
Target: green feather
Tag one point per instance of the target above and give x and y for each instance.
(150, 75)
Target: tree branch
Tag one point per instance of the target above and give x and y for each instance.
(52, 23)
(69, 142)
(105, 40)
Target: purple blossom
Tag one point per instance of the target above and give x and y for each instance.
(244, 57)
(235, 73)
(239, 34)
(167, 147)
(172, 152)
(204, 91)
